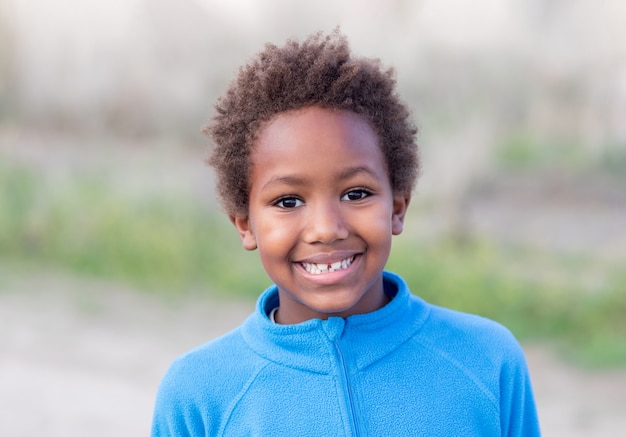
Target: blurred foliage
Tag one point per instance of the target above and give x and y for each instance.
(165, 244)
(537, 295)
(613, 160)
(523, 151)
(168, 244)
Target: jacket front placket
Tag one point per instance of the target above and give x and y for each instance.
(334, 329)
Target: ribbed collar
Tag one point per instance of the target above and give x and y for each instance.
(364, 338)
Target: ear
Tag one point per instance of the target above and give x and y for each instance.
(242, 223)
(400, 205)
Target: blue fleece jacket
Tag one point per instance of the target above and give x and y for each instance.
(408, 369)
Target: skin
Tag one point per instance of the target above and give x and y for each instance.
(320, 193)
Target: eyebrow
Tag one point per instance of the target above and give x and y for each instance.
(353, 171)
(297, 180)
(292, 180)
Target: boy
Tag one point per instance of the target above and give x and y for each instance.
(316, 160)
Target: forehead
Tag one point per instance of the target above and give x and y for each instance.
(316, 148)
(312, 117)
(314, 133)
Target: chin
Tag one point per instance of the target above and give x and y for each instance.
(334, 308)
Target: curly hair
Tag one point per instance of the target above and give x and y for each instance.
(318, 71)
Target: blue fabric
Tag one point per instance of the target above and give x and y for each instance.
(408, 369)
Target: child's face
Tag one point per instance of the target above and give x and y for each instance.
(321, 213)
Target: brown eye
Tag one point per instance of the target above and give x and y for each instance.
(355, 195)
(289, 202)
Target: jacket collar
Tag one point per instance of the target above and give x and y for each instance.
(312, 345)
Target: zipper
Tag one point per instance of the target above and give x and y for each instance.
(348, 391)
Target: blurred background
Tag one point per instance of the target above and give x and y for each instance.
(115, 256)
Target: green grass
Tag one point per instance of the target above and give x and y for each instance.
(167, 244)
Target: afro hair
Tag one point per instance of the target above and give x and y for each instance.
(317, 71)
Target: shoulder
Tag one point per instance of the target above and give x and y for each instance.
(485, 351)
(482, 355)
(216, 363)
(455, 324)
(199, 386)
(481, 348)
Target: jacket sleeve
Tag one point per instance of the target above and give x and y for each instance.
(518, 413)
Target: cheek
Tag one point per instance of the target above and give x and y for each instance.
(376, 223)
(275, 238)
(375, 230)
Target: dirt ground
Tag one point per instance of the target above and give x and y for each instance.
(84, 358)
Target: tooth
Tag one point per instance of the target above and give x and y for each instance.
(317, 269)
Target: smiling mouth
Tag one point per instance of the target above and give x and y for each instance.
(320, 269)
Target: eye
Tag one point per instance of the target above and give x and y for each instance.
(356, 194)
(289, 202)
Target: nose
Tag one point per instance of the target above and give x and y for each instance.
(325, 223)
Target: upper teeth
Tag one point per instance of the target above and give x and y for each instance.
(317, 269)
